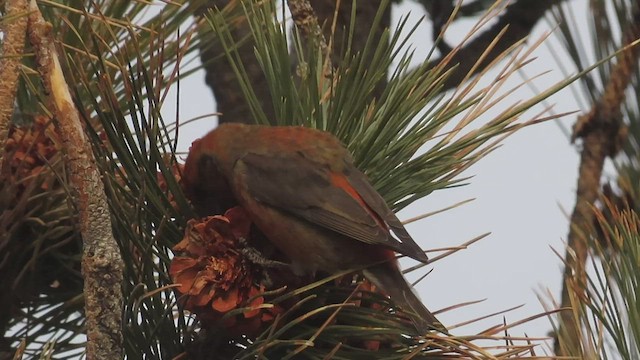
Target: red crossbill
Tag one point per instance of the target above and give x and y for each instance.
(301, 189)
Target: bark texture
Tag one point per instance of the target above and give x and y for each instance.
(102, 265)
(10, 59)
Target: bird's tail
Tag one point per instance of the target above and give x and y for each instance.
(389, 278)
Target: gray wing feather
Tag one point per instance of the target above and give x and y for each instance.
(302, 188)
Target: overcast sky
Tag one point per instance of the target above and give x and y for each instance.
(522, 191)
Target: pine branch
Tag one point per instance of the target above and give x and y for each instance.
(306, 20)
(102, 265)
(600, 131)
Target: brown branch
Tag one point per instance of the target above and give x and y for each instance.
(102, 266)
(519, 18)
(600, 131)
(12, 50)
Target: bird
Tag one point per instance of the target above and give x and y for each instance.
(301, 189)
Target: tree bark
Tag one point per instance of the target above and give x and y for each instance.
(102, 265)
(220, 77)
(219, 74)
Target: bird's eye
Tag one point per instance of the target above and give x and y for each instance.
(209, 168)
(207, 163)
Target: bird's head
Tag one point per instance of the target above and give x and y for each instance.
(204, 181)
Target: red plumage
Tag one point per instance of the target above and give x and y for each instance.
(302, 190)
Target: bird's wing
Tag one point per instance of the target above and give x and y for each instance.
(395, 228)
(342, 202)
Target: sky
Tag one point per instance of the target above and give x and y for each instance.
(523, 192)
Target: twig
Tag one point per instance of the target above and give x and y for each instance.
(600, 131)
(12, 50)
(102, 266)
(307, 23)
